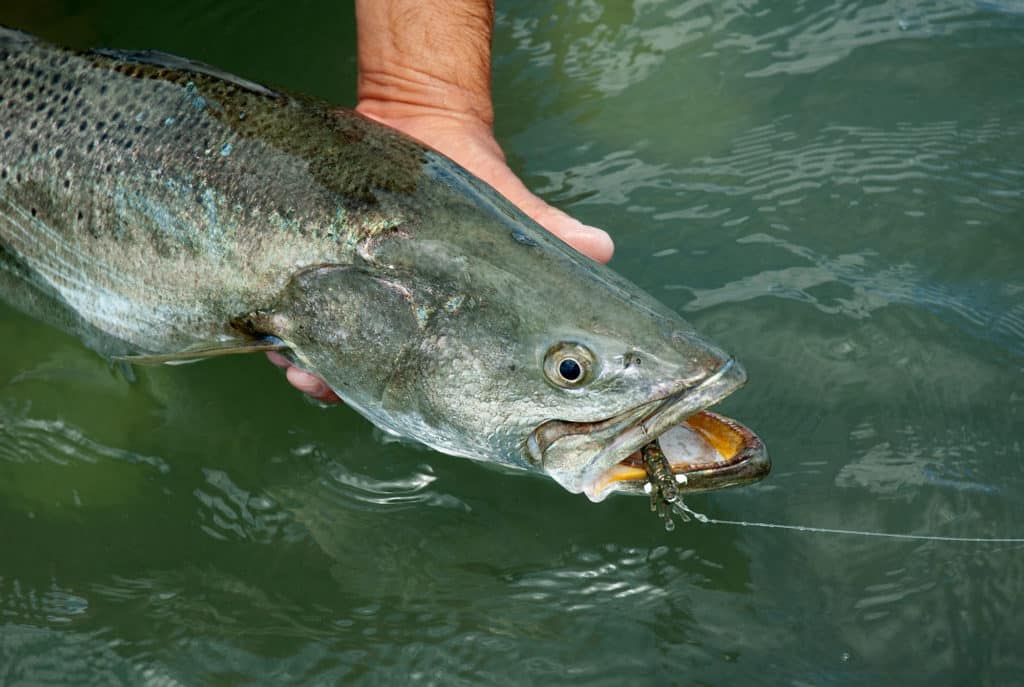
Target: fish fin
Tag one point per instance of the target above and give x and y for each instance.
(13, 37)
(126, 370)
(193, 355)
(164, 59)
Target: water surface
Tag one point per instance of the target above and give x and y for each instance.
(832, 190)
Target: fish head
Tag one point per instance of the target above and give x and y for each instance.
(531, 355)
(471, 329)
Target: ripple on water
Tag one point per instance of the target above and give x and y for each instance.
(230, 512)
(893, 465)
(986, 309)
(51, 605)
(611, 48)
(50, 468)
(29, 440)
(43, 657)
(777, 168)
(775, 162)
(356, 489)
(323, 501)
(815, 35)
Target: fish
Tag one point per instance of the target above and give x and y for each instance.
(165, 211)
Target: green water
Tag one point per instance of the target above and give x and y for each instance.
(831, 190)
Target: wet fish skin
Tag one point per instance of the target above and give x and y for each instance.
(171, 196)
(153, 205)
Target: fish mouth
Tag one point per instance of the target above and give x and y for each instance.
(705, 450)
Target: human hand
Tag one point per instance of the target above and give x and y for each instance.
(424, 69)
(471, 143)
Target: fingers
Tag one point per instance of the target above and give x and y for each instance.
(279, 360)
(472, 144)
(310, 384)
(593, 242)
(305, 382)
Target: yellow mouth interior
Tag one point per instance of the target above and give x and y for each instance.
(723, 442)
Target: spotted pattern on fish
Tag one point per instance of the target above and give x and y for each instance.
(161, 160)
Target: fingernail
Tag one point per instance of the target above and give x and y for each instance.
(599, 234)
(599, 239)
(278, 359)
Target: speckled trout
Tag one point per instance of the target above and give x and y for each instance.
(162, 210)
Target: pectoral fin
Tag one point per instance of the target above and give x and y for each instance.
(193, 355)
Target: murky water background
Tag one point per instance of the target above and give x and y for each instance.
(831, 190)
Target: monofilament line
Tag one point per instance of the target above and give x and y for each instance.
(687, 513)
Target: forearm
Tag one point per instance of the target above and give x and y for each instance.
(424, 57)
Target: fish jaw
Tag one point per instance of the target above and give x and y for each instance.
(593, 458)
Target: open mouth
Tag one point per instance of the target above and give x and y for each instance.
(704, 450)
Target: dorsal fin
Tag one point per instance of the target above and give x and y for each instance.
(163, 59)
(14, 38)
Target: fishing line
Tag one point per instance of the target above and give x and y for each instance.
(686, 513)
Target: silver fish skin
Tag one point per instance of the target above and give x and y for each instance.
(153, 205)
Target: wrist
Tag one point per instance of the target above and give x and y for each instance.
(422, 58)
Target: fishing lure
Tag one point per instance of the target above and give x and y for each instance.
(661, 484)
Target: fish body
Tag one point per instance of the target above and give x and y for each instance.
(152, 205)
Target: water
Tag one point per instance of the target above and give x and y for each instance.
(831, 190)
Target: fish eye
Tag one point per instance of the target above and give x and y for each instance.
(569, 365)
(570, 370)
